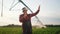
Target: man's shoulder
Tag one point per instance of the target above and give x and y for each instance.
(29, 14)
(21, 15)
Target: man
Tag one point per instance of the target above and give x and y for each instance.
(25, 19)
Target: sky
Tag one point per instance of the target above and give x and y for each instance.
(49, 11)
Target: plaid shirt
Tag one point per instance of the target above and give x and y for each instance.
(28, 17)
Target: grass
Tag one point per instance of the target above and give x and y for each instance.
(18, 30)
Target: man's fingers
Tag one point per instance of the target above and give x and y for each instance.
(39, 7)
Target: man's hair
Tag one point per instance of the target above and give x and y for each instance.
(24, 8)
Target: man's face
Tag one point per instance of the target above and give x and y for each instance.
(25, 11)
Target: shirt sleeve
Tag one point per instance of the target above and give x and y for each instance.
(31, 15)
(21, 18)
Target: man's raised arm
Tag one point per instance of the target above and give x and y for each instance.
(36, 12)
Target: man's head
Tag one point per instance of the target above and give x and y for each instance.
(24, 10)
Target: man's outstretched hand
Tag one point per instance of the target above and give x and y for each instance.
(39, 8)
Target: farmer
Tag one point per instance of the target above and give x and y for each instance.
(25, 19)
